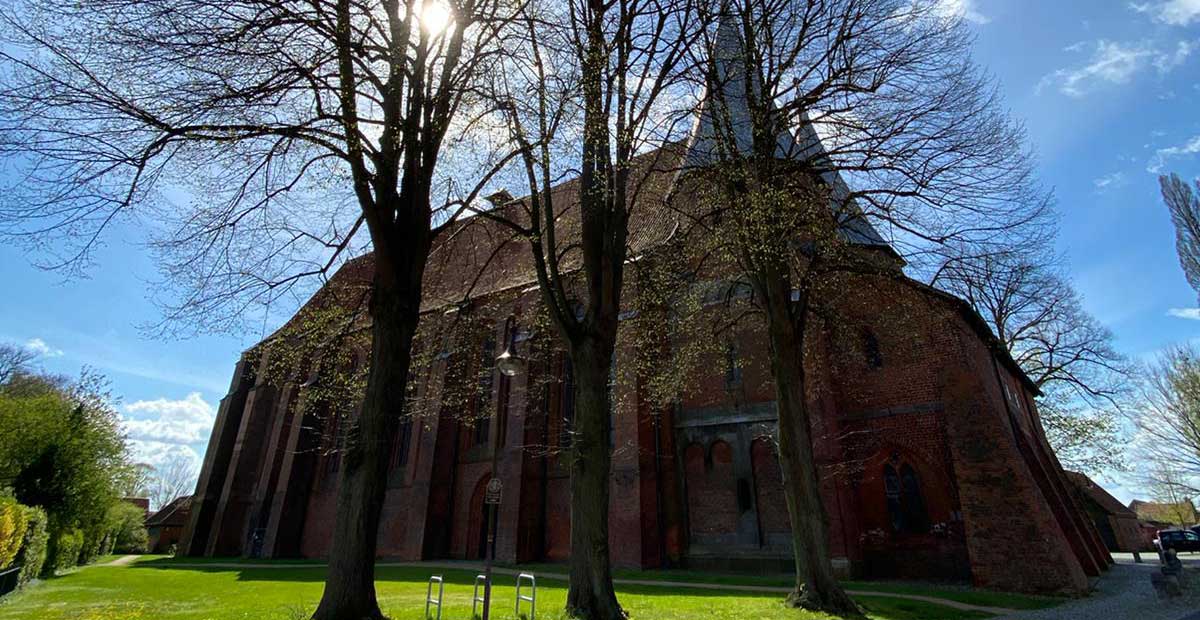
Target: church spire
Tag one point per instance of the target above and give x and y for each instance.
(725, 122)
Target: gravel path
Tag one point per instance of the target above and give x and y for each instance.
(1124, 592)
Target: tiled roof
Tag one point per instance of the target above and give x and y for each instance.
(173, 514)
(1097, 494)
(1166, 512)
(730, 110)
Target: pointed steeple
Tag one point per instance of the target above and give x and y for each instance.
(724, 122)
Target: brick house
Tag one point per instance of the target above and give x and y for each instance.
(1117, 524)
(933, 460)
(165, 527)
(1179, 513)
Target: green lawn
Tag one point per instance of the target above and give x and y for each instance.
(160, 591)
(961, 594)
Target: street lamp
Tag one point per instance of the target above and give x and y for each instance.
(510, 365)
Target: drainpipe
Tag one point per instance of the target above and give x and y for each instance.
(656, 422)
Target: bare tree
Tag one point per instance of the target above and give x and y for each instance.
(1170, 488)
(172, 480)
(1067, 353)
(259, 138)
(139, 480)
(830, 120)
(1184, 206)
(1169, 421)
(13, 360)
(589, 89)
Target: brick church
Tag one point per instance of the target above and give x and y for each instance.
(934, 463)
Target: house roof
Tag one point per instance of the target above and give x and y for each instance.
(1165, 511)
(478, 256)
(1097, 494)
(174, 513)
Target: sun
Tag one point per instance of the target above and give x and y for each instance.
(436, 16)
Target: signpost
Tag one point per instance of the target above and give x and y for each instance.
(491, 494)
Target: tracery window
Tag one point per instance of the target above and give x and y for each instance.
(905, 502)
(483, 398)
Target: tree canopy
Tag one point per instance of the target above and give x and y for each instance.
(62, 447)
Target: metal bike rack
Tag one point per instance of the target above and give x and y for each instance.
(532, 598)
(476, 598)
(429, 600)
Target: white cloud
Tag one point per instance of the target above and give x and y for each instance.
(164, 421)
(158, 454)
(1075, 47)
(39, 346)
(1159, 161)
(1116, 62)
(1185, 313)
(1108, 181)
(965, 9)
(1174, 12)
(1113, 62)
(1167, 61)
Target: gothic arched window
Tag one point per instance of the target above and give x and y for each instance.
(733, 365)
(483, 398)
(871, 349)
(915, 515)
(905, 503)
(891, 491)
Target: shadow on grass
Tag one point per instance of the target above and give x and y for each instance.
(420, 576)
(552, 576)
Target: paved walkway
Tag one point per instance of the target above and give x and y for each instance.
(1124, 592)
(124, 560)
(653, 583)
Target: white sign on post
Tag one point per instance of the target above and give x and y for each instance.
(491, 495)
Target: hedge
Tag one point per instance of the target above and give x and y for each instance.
(64, 550)
(13, 521)
(33, 549)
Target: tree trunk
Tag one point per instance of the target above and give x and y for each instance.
(350, 584)
(816, 587)
(590, 594)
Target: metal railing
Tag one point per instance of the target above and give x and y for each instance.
(532, 598)
(10, 578)
(477, 598)
(429, 600)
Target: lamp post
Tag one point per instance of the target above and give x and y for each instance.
(510, 365)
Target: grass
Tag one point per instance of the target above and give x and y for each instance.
(158, 590)
(962, 594)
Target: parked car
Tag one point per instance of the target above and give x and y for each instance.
(1179, 540)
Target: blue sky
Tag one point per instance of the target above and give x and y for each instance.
(1109, 91)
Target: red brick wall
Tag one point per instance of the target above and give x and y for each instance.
(931, 399)
(712, 494)
(768, 490)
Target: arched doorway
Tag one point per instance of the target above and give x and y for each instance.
(476, 538)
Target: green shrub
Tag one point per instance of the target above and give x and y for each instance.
(128, 534)
(33, 549)
(93, 543)
(65, 548)
(13, 521)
